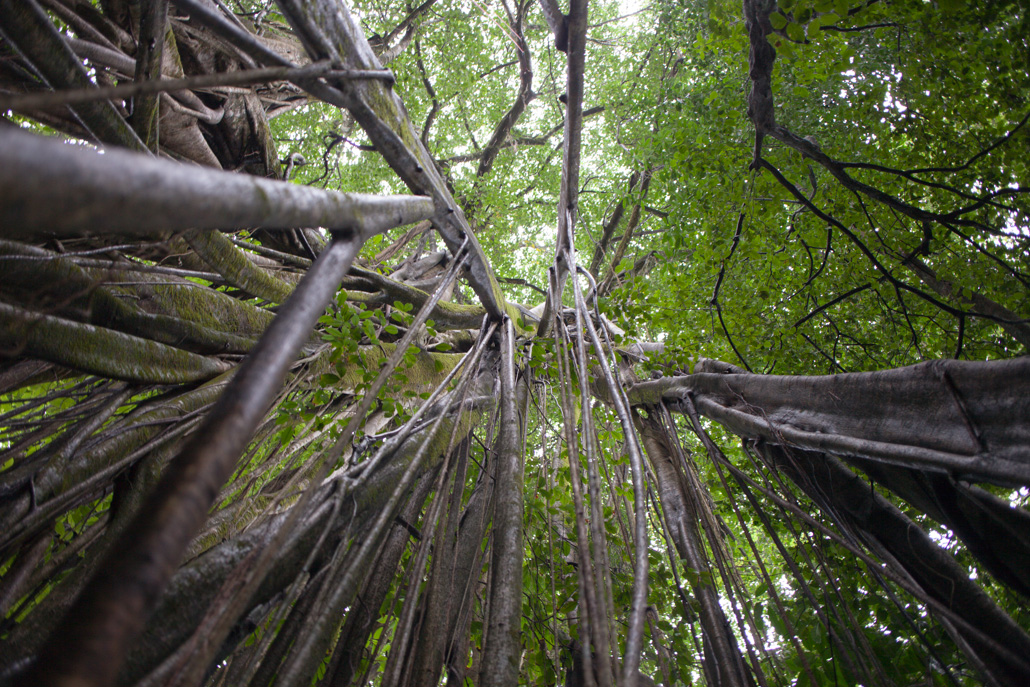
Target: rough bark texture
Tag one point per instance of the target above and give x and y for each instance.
(953, 416)
(725, 666)
(503, 646)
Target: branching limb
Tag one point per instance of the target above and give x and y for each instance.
(515, 141)
(522, 98)
(430, 91)
(835, 301)
(867, 252)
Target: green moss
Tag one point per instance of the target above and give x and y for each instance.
(233, 264)
(387, 108)
(427, 369)
(379, 486)
(361, 297)
(165, 295)
(449, 314)
(523, 327)
(101, 351)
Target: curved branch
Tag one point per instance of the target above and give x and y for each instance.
(407, 22)
(522, 98)
(232, 263)
(515, 141)
(431, 92)
(36, 272)
(835, 301)
(936, 416)
(34, 35)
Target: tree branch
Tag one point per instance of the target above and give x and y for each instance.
(522, 98)
(835, 301)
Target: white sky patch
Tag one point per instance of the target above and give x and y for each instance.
(1019, 497)
(889, 102)
(946, 539)
(629, 10)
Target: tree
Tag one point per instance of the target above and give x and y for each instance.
(261, 432)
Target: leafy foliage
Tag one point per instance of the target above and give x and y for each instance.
(896, 232)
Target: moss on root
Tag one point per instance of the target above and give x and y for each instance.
(233, 264)
(101, 351)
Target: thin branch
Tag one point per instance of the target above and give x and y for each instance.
(430, 91)
(863, 248)
(832, 303)
(246, 77)
(522, 98)
(515, 141)
(866, 27)
(726, 331)
(966, 165)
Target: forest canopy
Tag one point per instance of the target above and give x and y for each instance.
(502, 342)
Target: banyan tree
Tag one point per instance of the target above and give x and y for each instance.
(510, 342)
